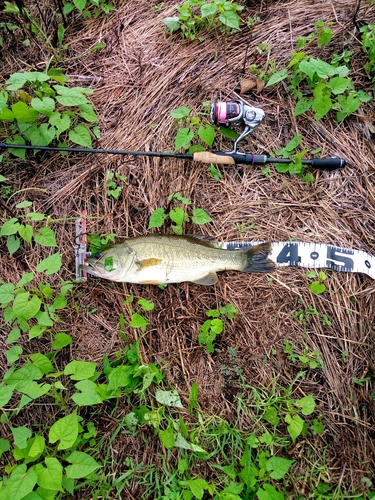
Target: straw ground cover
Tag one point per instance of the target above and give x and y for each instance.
(112, 390)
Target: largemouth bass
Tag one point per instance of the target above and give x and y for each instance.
(158, 259)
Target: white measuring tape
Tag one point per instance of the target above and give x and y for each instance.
(314, 255)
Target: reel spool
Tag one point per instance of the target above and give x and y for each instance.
(237, 113)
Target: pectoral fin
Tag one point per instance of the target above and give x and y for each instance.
(142, 264)
(209, 279)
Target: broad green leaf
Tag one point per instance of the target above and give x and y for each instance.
(138, 321)
(147, 305)
(268, 492)
(42, 362)
(88, 113)
(50, 477)
(208, 9)
(20, 483)
(120, 376)
(228, 132)
(24, 308)
(64, 430)
(302, 106)
(200, 216)
(6, 114)
(61, 340)
(80, 135)
(295, 426)
(6, 393)
(277, 77)
(13, 244)
(42, 135)
(13, 354)
(271, 416)
(206, 134)
(180, 442)
(157, 218)
(24, 204)
(321, 106)
(179, 113)
(50, 264)
(307, 404)
(278, 466)
(24, 114)
(89, 394)
(9, 227)
(167, 437)
(37, 446)
(82, 465)
(36, 331)
(183, 138)
(80, 4)
(4, 445)
(6, 293)
(230, 19)
(72, 99)
(26, 279)
(46, 105)
(60, 302)
(168, 398)
(26, 232)
(27, 372)
(17, 80)
(172, 23)
(80, 370)
(20, 436)
(35, 216)
(60, 122)
(178, 215)
(317, 288)
(13, 335)
(338, 84)
(46, 237)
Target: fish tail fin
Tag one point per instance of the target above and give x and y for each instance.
(257, 260)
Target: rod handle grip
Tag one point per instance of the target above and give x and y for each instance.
(328, 163)
(208, 157)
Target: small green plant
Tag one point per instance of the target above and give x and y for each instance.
(195, 15)
(296, 167)
(192, 130)
(317, 287)
(99, 6)
(178, 215)
(322, 35)
(113, 186)
(368, 46)
(39, 112)
(215, 325)
(308, 359)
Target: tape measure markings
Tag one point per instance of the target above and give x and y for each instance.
(314, 255)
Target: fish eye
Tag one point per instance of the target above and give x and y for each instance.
(98, 255)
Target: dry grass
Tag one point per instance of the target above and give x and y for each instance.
(138, 78)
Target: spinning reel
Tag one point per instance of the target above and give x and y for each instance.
(237, 113)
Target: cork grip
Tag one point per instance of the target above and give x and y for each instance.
(207, 157)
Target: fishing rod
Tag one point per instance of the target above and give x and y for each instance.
(222, 113)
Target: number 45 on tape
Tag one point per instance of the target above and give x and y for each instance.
(315, 255)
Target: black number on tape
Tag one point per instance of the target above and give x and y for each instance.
(289, 254)
(334, 257)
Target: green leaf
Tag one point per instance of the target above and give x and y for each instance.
(35, 216)
(26, 232)
(271, 416)
(168, 398)
(147, 305)
(183, 138)
(200, 216)
(6, 393)
(24, 308)
(88, 113)
(64, 430)
(19, 153)
(269, 493)
(6, 114)
(338, 84)
(179, 113)
(61, 340)
(178, 215)
(60, 122)
(17, 80)
(307, 404)
(80, 4)
(50, 477)
(82, 465)
(80, 370)
(206, 134)
(172, 23)
(208, 9)
(228, 132)
(167, 437)
(277, 77)
(4, 445)
(46, 105)
(321, 106)
(89, 394)
(46, 237)
(6, 293)
(295, 426)
(120, 376)
(138, 321)
(9, 227)
(20, 436)
(302, 106)
(278, 466)
(157, 218)
(50, 264)
(80, 135)
(230, 19)
(13, 354)
(40, 136)
(20, 483)
(42, 362)
(37, 446)
(317, 288)
(24, 114)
